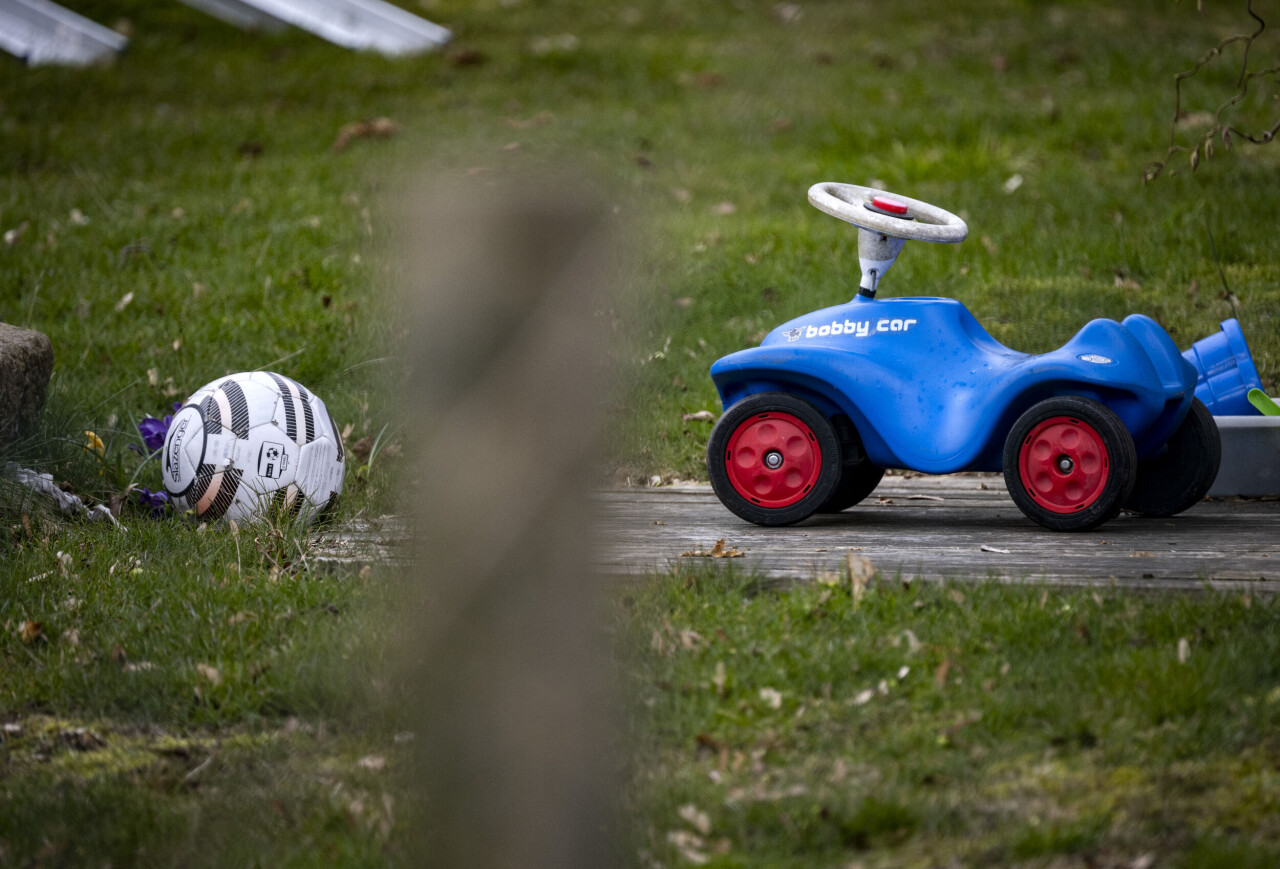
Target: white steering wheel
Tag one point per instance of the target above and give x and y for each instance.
(887, 213)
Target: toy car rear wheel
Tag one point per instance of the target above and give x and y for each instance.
(1181, 472)
(855, 483)
(773, 458)
(858, 478)
(1069, 463)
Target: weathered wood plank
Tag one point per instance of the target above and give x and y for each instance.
(934, 528)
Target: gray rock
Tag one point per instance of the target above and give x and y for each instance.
(26, 362)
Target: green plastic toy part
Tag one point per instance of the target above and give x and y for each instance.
(1263, 403)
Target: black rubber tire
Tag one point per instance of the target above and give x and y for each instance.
(858, 477)
(1118, 456)
(1181, 472)
(825, 447)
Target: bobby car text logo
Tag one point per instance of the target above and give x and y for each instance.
(857, 328)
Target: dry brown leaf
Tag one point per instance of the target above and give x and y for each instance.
(543, 117)
(373, 762)
(31, 632)
(81, 739)
(698, 416)
(361, 448)
(861, 572)
(378, 128)
(696, 818)
(689, 639)
(210, 673)
(717, 551)
(940, 675)
(718, 680)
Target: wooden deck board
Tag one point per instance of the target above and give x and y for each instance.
(934, 528)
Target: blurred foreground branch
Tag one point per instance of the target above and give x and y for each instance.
(510, 668)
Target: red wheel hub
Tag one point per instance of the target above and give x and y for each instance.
(773, 459)
(1064, 464)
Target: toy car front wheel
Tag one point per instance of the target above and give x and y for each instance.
(773, 458)
(1181, 472)
(1069, 463)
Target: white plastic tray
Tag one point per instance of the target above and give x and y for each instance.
(1250, 456)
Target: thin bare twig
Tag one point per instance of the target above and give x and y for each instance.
(1220, 129)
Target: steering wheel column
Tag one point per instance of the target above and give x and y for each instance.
(876, 253)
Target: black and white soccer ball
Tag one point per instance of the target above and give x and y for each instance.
(253, 445)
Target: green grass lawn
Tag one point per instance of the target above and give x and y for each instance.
(914, 725)
(183, 213)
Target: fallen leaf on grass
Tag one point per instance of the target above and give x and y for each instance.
(772, 697)
(689, 846)
(862, 698)
(210, 673)
(361, 448)
(717, 551)
(698, 416)
(543, 117)
(31, 632)
(1184, 650)
(379, 128)
(82, 739)
(861, 572)
(720, 678)
(373, 762)
(696, 818)
(466, 57)
(12, 235)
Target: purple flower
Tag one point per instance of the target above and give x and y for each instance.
(156, 501)
(154, 430)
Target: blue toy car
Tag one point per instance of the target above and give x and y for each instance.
(828, 401)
